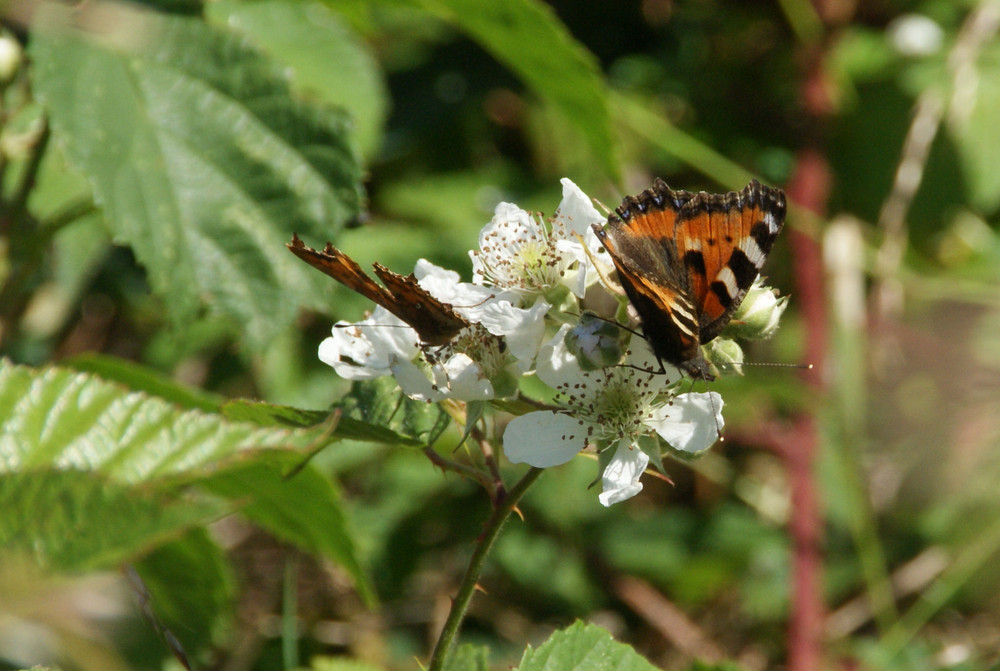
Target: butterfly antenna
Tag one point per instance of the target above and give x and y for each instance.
(609, 321)
(475, 305)
(733, 364)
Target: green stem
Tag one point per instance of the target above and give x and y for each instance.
(290, 613)
(461, 469)
(19, 199)
(505, 506)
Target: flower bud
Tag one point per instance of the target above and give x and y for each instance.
(11, 56)
(725, 353)
(595, 342)
(758, 316)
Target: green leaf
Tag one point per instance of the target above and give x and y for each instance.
(583, 647)
(311, 39)
(58, 417)
(468, 657)
(295, 504)
(74, 520)
(268, 414)
(376, 410)
(335, 427)
(142, 378)
(527, 37)
(199, 158)
(189, 586)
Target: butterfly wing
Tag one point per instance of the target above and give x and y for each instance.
(724, 240)
(436, 323)
(342, 268)
(686, 261)
(639, 240)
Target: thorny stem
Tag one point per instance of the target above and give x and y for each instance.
(491, 531)
(809, 188)
(461, 469)
(491, 462)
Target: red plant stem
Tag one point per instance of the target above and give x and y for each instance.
(799, 445)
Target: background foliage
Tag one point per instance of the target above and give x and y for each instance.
(154, 159)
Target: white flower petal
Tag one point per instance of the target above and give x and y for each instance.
(478, 267)
(555, 365)
(363, 350)
(641, 356)
(620, 480)
(577, 210)
(543, 439)
(572, 227)
(414, 382)
(445, 286)
(425, 270)
(510, 224)
(523, 328)
(465, 380)
(691, 423)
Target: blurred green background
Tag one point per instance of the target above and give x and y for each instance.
(393, 129)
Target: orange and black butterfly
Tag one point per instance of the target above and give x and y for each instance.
(436, 323)
(686, 261)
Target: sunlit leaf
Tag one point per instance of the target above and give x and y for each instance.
(583, 647)
(380, 412)
(54, 417)
(199, 158)
(468, 657)
(311, 39)
(96, 472)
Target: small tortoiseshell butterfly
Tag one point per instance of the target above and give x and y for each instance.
(436, 323)
(686, 260)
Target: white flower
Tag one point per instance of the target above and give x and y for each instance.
(522, 328)
(483, 361)
(614, 407)
(691, 423)
(367, 349)
(518, 251)
(620, 480)
(458, 376)
(446, 286)
(470, 368)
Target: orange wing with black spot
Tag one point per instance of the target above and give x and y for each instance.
(686, 261)
(436, 323)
